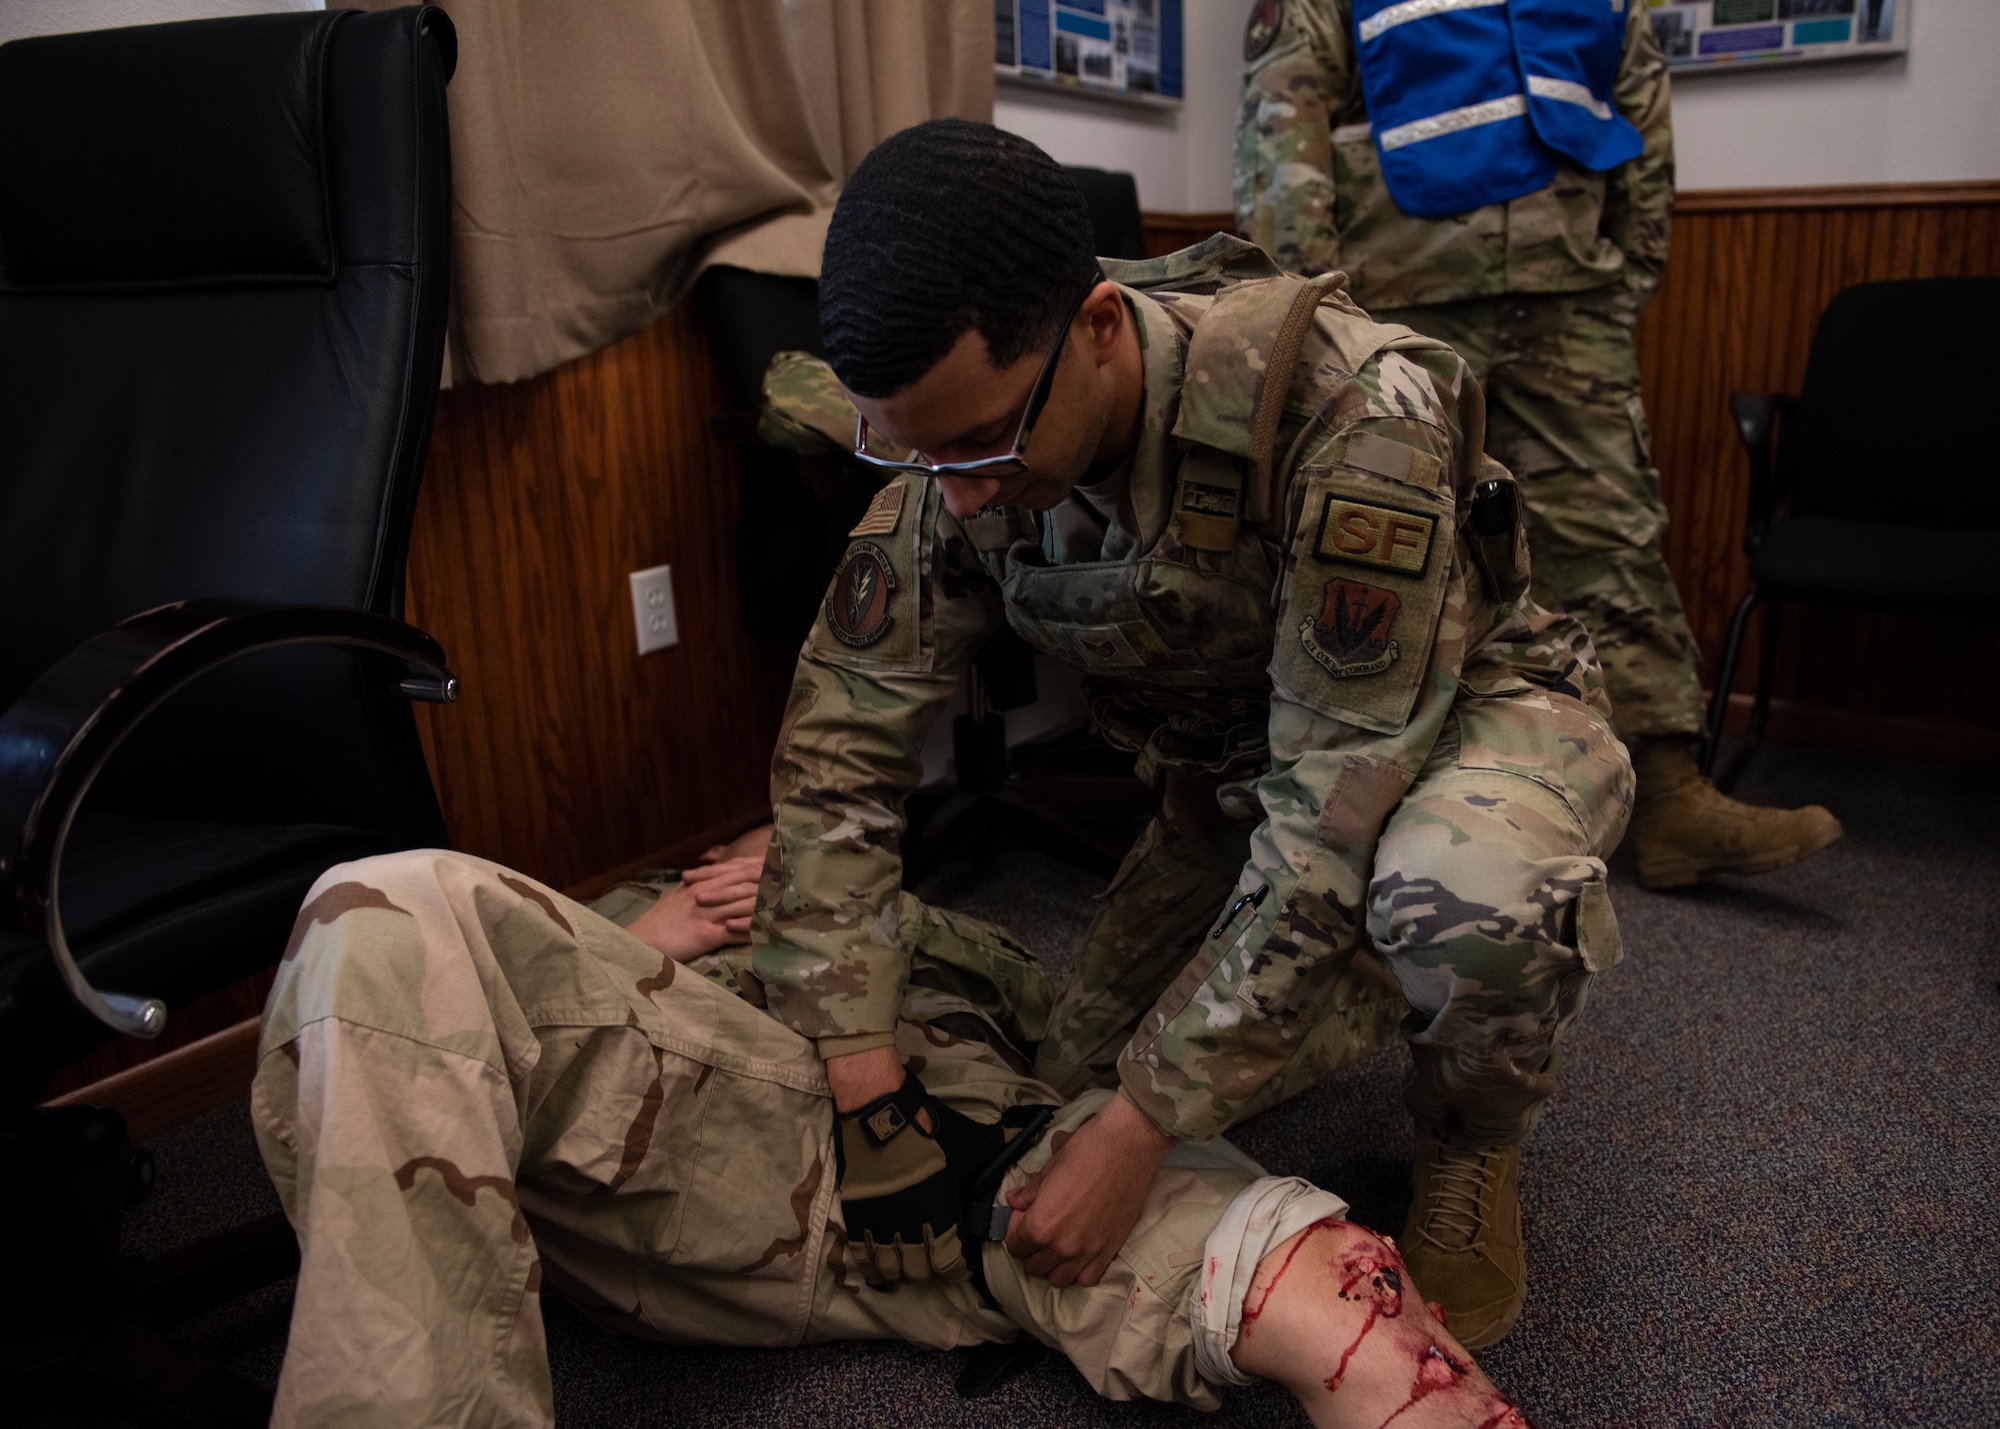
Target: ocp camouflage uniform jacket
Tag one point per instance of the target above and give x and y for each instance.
(1305, 663)
(1309, 185)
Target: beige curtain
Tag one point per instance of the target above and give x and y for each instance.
(604, 153)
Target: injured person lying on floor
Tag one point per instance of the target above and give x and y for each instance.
(472, 1091)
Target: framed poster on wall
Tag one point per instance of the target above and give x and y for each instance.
(1119, 49)
(1718, 34)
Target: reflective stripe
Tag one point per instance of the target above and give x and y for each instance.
(1409, 10)
(1568, 91)
(1491, 111)
(1353, 133)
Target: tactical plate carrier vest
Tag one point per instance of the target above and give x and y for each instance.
(1177, 641)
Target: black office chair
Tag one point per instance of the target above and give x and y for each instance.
(1871, 499)
(793, 515)
(1115, 220)
(224, 257)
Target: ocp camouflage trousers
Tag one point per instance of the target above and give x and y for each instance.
(1487, 916)
(1564, 414)
(471, 1089)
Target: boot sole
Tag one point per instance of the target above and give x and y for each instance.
(1663, 873)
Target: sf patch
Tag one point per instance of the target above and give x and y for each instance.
(1379, 536)
(857, 609)
(1350, 635)
(1265, 18)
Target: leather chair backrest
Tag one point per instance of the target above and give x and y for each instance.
(783, 528)
(223, 273)
(1113, 200)
(751, 317)
(1893, 419)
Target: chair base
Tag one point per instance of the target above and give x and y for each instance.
(1718, 707)
(84, 1320)
(138, 1373)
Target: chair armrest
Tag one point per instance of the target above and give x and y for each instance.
(56, 737)
(1756, 415)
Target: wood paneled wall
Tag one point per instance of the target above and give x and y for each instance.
(567, 752)
(1750, 273)
(1171, 232)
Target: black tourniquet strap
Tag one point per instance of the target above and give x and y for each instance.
(986, 1215)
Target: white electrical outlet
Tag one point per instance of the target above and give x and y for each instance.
(653, 609)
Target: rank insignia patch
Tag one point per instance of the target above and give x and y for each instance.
(1379, 536)
(1262, 29)
(858, 608)
(1350, 635)
(1106, 646)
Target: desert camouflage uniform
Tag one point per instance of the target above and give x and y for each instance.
(1381, 748)
(470, 1087)
(1539, 296)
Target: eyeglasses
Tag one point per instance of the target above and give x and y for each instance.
(1012, 464)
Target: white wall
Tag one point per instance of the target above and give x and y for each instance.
(1180, 158)
(55, 17)
(1930, 115)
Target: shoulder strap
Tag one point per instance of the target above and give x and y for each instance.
(1284, 361)
(1228, 400)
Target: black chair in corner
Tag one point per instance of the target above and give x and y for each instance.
(1869, 498)
(793, 514)
(1112, 197)
(224, 260)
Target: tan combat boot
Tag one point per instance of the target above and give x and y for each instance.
(1684, 828)
(1462, 1243)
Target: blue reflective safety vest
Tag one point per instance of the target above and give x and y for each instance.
(1476, 101)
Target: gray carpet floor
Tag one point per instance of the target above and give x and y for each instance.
(1766, 1196)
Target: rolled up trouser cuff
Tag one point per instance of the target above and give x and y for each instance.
(1264, 1215)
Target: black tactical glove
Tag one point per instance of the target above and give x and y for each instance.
(902, 1187)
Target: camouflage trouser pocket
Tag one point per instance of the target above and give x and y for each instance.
(1561, 744)
(980, 963)
(1642, 433)
(1597, 938)
(1494, 915)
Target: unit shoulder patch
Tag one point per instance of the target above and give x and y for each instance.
(1350, 635)
(857, 609)
(1384, 537)
(1265, 19)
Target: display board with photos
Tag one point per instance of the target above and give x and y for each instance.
(1717, 34)
(1120, 49)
